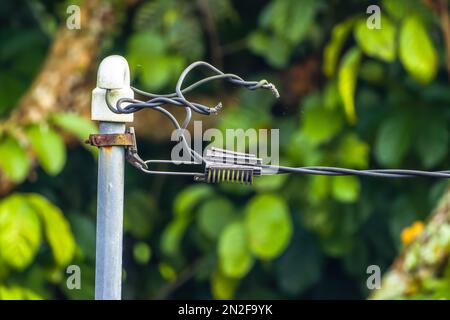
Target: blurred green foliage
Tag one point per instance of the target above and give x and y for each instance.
(375, 98)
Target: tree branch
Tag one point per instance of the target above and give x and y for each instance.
(420, 267)
(441, 10)
(67, 77)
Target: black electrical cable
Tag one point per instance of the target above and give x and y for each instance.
(381, 173)
(157, 100)
(177, 98)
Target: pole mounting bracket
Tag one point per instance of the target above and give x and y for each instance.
(127, 140)
(109, 140)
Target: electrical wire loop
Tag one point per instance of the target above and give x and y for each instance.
(221, 165)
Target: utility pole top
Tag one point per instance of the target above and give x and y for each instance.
(113, 75)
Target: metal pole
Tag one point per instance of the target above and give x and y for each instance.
(108, 269)
(113, 78)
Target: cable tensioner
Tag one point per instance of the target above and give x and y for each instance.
(229, 166)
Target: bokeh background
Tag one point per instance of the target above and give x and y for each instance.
(350, 97)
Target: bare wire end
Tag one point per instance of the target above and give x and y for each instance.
(267, 85)
(217, 108)
(274, 90)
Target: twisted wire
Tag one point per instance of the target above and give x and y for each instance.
(177, 98)
(380, 173)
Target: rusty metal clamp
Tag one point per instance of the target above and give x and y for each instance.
(109, 140)
(131, 153)
(127, 140)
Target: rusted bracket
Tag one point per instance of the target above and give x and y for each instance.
(127, 140)
(108, 140)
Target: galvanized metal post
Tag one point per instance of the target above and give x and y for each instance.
(113, 75)
(108, 268)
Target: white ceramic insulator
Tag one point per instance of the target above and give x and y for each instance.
(114, 75)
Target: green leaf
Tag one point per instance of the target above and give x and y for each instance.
(141, 44)
(13, 87)
(214, 215)
(417, 52)
(224, 10)
(303, 150)
(83, 229)
(242, 117)
(300, 267)
(348, 73)
(345, 189)
(148, 56)
(172, 236)
(320, 125)
(160, 71)
(20, 232)
(17, 293)
(332, 50)
(150, 15)
(78, 126)
(140, 214)
(273, 49)
(393, 139)
(319, 220)
(319, 188)
(355, 262)
(186, 35)
(13, 160)
(373, 72)
(337, 245)
(235, 259)
(223, 287)
(180, 28)
(353, 152)
(142, 253)
(377, 43)
(268, 224)
(300, 18)
(331, 98)
(189, 198)
(236, 189)
(270, 182)
(75, 124)
(399, 9)
(262, 101)
(432, 141)
(49, 148)
(56, 228)
(167, 272)
(290, 19)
